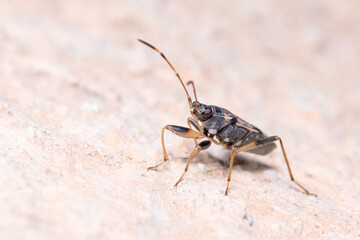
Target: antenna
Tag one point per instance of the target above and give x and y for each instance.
(191, 82)
(177, 75)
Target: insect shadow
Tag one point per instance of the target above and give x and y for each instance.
(246, 162)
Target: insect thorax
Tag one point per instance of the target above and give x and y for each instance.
(229, 129)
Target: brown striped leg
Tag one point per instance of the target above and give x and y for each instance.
(180, 131)
(201, 146)
(272, 139)
(276, 138)
(191, 122)
(230, 169)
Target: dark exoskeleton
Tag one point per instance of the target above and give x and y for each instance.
(220, 126)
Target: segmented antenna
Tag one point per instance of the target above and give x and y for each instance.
(177, 75)
(197, 102)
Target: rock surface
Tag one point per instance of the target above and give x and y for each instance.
(82, 105)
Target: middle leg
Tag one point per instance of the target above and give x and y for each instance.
(201, 146)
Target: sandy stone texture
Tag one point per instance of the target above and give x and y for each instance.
(82, 105)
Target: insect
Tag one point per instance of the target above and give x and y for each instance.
(219, 126)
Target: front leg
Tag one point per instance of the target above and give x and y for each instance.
(191, 122)
(180, 131)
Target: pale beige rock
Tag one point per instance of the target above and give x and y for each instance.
(82, 105)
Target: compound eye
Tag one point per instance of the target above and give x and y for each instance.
(208, 112)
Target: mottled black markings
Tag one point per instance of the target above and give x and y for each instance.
(179, 128)
(207, 133)
(232, 133)
(204, 144)
(233, 120)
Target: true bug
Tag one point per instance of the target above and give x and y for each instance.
(221, 127)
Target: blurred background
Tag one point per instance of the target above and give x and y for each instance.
(82, 105)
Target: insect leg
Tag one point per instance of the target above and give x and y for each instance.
(276, 138)
(230, 169)
(180, 131)
(268, 140)
(201, 146)
(191, 122)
